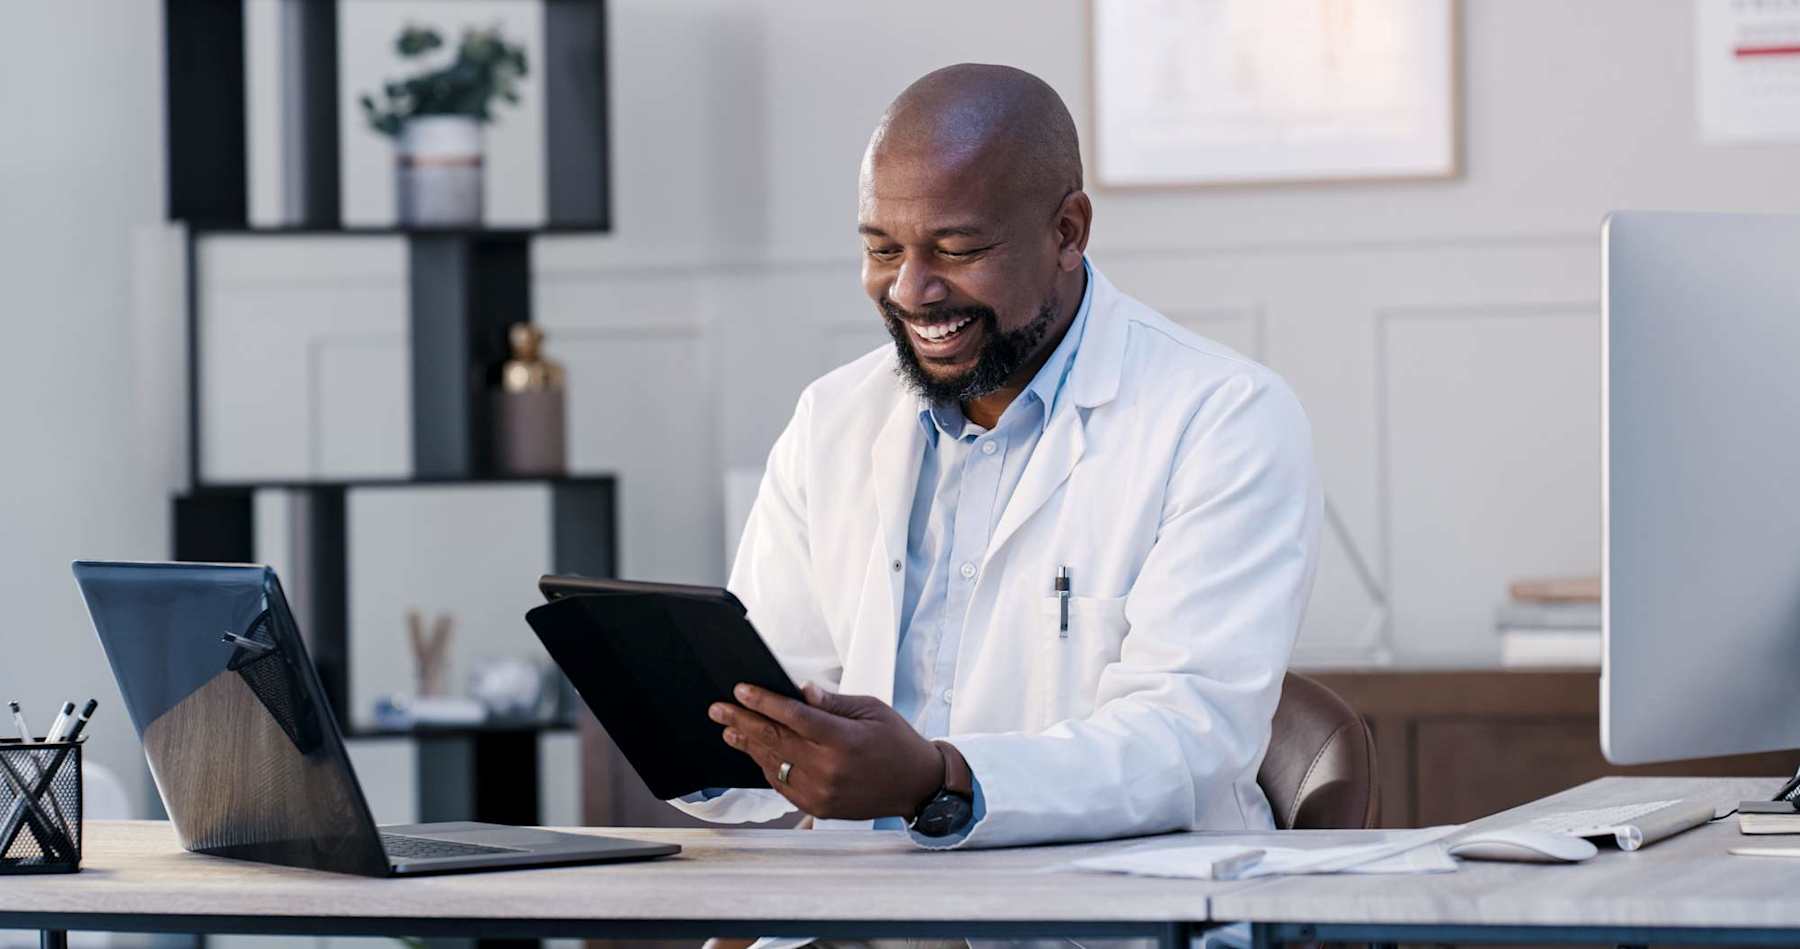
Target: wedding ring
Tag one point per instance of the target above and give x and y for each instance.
(781, 773)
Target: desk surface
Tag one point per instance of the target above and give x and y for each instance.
(1686, 881)
(828, 883)
(135, 876)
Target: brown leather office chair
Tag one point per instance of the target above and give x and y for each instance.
(1320, 769)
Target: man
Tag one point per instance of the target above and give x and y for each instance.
(1042, 561)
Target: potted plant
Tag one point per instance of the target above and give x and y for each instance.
(435, 120)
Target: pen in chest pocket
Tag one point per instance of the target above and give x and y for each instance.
(1062, 600)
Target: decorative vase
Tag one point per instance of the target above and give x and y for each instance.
(530, 412)
(431, 653)
(437, 172)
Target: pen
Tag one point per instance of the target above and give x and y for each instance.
(61, 722)
(1062, 599)
(55, 735)
(245, 643)
(37, 766)
(87, 712)
(19, 722)
(1235, 866)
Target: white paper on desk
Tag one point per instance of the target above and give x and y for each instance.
(1408, 851)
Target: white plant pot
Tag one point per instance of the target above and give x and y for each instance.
(437, 172)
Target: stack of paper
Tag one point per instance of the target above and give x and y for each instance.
(1553, 622)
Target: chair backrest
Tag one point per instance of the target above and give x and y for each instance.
(1320, 769)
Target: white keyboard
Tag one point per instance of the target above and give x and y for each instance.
(1596, 821)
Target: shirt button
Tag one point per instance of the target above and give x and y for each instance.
(948, 695)
(896, 566)
(987, 448)
(968, 571)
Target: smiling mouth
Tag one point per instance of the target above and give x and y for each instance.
(940, 332)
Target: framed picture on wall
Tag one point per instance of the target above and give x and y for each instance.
(1238, 92)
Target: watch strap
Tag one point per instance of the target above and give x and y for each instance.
(958, 779)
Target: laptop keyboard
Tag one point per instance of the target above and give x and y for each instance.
(400, 846)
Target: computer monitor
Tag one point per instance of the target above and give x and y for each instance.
(1700, 472)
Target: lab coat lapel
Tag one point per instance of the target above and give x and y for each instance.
(1093, 380)
(1050, 465)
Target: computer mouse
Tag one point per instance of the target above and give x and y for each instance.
(1523, 844)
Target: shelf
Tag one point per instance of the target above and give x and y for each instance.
(479, 233)
(326, 484)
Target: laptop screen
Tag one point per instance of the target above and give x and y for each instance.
(243, 748)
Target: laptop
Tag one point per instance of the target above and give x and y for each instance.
(244, 749)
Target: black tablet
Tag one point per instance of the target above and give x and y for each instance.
(649, 659)
(555, 587)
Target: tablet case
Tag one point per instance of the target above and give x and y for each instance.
(649, 665)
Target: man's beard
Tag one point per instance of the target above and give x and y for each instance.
(1001, 353)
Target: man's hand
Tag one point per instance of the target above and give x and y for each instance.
(850, 757)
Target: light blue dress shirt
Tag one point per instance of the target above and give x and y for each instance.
(965, 479)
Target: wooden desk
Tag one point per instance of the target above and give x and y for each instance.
(846, 884)
(1686, 889)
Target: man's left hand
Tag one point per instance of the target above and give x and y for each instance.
(850, 757)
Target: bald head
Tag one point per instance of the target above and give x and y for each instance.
(1005, 120)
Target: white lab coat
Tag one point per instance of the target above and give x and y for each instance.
(1175, 479)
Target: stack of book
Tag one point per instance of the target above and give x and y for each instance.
(1771, 817)
(1551, 623)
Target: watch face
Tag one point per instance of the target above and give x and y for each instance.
(944, 815)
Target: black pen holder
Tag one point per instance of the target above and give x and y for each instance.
(40, 807)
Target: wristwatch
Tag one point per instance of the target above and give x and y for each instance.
(949, 810)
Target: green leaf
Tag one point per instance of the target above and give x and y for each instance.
(486, 68)
(417, 40)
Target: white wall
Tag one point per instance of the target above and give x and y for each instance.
(84, 420)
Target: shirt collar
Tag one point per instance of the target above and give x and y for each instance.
(1045, 387)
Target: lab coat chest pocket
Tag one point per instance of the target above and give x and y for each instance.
(1070, 662)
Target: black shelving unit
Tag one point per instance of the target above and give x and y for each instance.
(466, 286)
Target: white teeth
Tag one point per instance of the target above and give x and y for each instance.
(941, 330)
